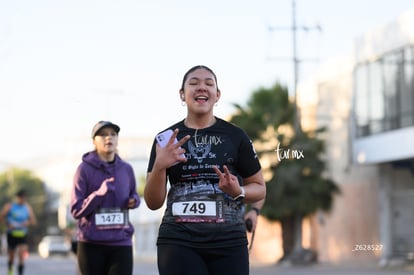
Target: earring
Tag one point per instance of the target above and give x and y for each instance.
(183, 103)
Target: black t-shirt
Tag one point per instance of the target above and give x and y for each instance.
(198, 213)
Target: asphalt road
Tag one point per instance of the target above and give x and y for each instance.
(59, 265)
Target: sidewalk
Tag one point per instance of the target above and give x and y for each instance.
(149, 267)
(316, 269)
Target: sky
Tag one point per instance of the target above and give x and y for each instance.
(64, 65)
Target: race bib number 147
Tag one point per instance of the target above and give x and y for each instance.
(111, 218)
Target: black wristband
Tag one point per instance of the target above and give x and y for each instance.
(257, 210)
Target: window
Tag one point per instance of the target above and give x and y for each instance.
(391, 65)
(407, 89)
(361, 104)
(376, 100)
(384, 91)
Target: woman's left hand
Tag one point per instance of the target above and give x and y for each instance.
(228, 182)
(131, 203)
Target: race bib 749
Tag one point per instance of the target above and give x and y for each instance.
(198, 211)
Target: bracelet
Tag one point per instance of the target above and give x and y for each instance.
(241, 196)
(257, 210)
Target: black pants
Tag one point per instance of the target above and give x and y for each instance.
(94, 259)
(182, 260)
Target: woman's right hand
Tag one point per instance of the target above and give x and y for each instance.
(107, 185)
(167, 156)
(172, 152)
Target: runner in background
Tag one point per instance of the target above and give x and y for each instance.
(19, 216)
(104, 189)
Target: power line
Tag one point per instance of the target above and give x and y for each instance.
(294, 28)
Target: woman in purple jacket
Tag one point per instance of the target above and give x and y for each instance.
(104, 189)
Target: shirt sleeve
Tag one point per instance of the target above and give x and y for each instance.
(248, 163)
(152, 158)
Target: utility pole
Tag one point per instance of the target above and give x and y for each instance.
(295, 69)
(297, 118)
(295, 60)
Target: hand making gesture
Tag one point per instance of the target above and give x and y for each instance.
(228, 182)
(172, 152)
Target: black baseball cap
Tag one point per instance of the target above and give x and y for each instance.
(21, 193)
(102, 124)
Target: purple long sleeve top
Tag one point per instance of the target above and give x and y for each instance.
(87, 205)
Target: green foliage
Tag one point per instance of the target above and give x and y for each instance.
(266, 107)
(297, 186)
(14, 179)
(141, 181)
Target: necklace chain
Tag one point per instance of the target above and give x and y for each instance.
(210, 123)
(196, 130)
(195, 138)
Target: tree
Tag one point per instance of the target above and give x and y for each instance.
(296, 187)
(266, 108)
(15, 179)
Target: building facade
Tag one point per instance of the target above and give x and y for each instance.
(367, 104)
(383, 127)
